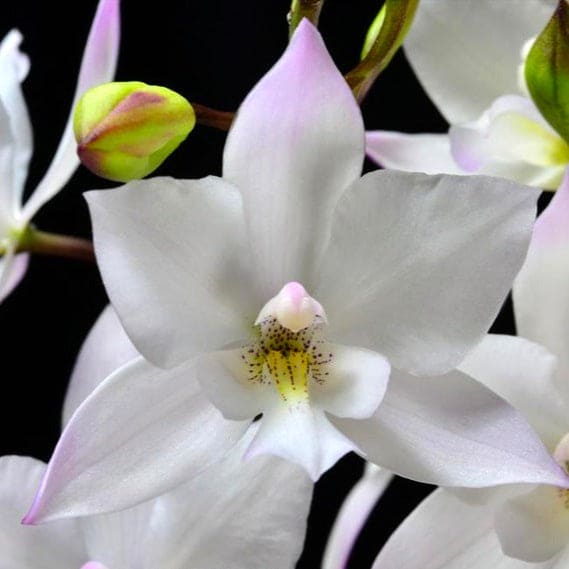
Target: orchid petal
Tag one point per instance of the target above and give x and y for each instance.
(534, 527)
(172, 255)
(466, 236)
(105, 349)
(523, 373)
(428, 153)
(9, 205)
(224, 379)
(297, 142)
(12, 270)
(97, 66)
(118, 539)
(102, 462)
(540, 291)
(480, 43)
(355, 382)
(50, 547)
(451, 431)
(234, 515)
(444, 533)
(511, 139)
(301, 434)
(14, 67)
(353, 515)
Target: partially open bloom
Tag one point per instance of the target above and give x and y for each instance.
(508, 527)
(236, 516)
(98, 66)
(468, 56)
(290, 288)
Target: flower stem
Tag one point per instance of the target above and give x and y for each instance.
(398, 17)
(304, 9)
(43, 243)
(212, 117)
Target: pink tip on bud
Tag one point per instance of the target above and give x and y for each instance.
(293, 308)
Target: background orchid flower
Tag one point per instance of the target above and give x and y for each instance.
(213, 281)
(235, 516)
(468, 55)
(98, 66)
(506, 527)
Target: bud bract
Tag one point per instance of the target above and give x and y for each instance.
(125, 130)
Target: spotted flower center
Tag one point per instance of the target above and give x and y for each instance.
(289, 352)
(288, 360)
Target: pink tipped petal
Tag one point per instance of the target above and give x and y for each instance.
(523, 373)
(534, 527)
(236, 515)
(103, 461)
(174, 261)
(51, 547)
(302, 435)
(12, 270)
(93, 565)
(451, 431)
(445, 252)
(444, 533)
(105, 349)
(355, 384)
(428, 153)
(353, 515)
(98, 66)
(480, 43)
(297, 142)
(541, 302)
(14, 67)
(9, 203)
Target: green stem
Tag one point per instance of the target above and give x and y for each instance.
(211, 117)
(43, 243)
(304, 9)
(399, 15)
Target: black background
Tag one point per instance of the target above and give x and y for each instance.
(212, 53)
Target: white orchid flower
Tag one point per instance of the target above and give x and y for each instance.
(98, 66)
(235, 516)
(515, 527)
(467, 55)
(251, 290)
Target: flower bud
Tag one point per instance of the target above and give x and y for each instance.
(547, 70)
(124, 131)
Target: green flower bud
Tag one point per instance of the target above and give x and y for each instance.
(373, 32)
(547, 70)
(124, 131)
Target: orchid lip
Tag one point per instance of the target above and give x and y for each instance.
(290, 351)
